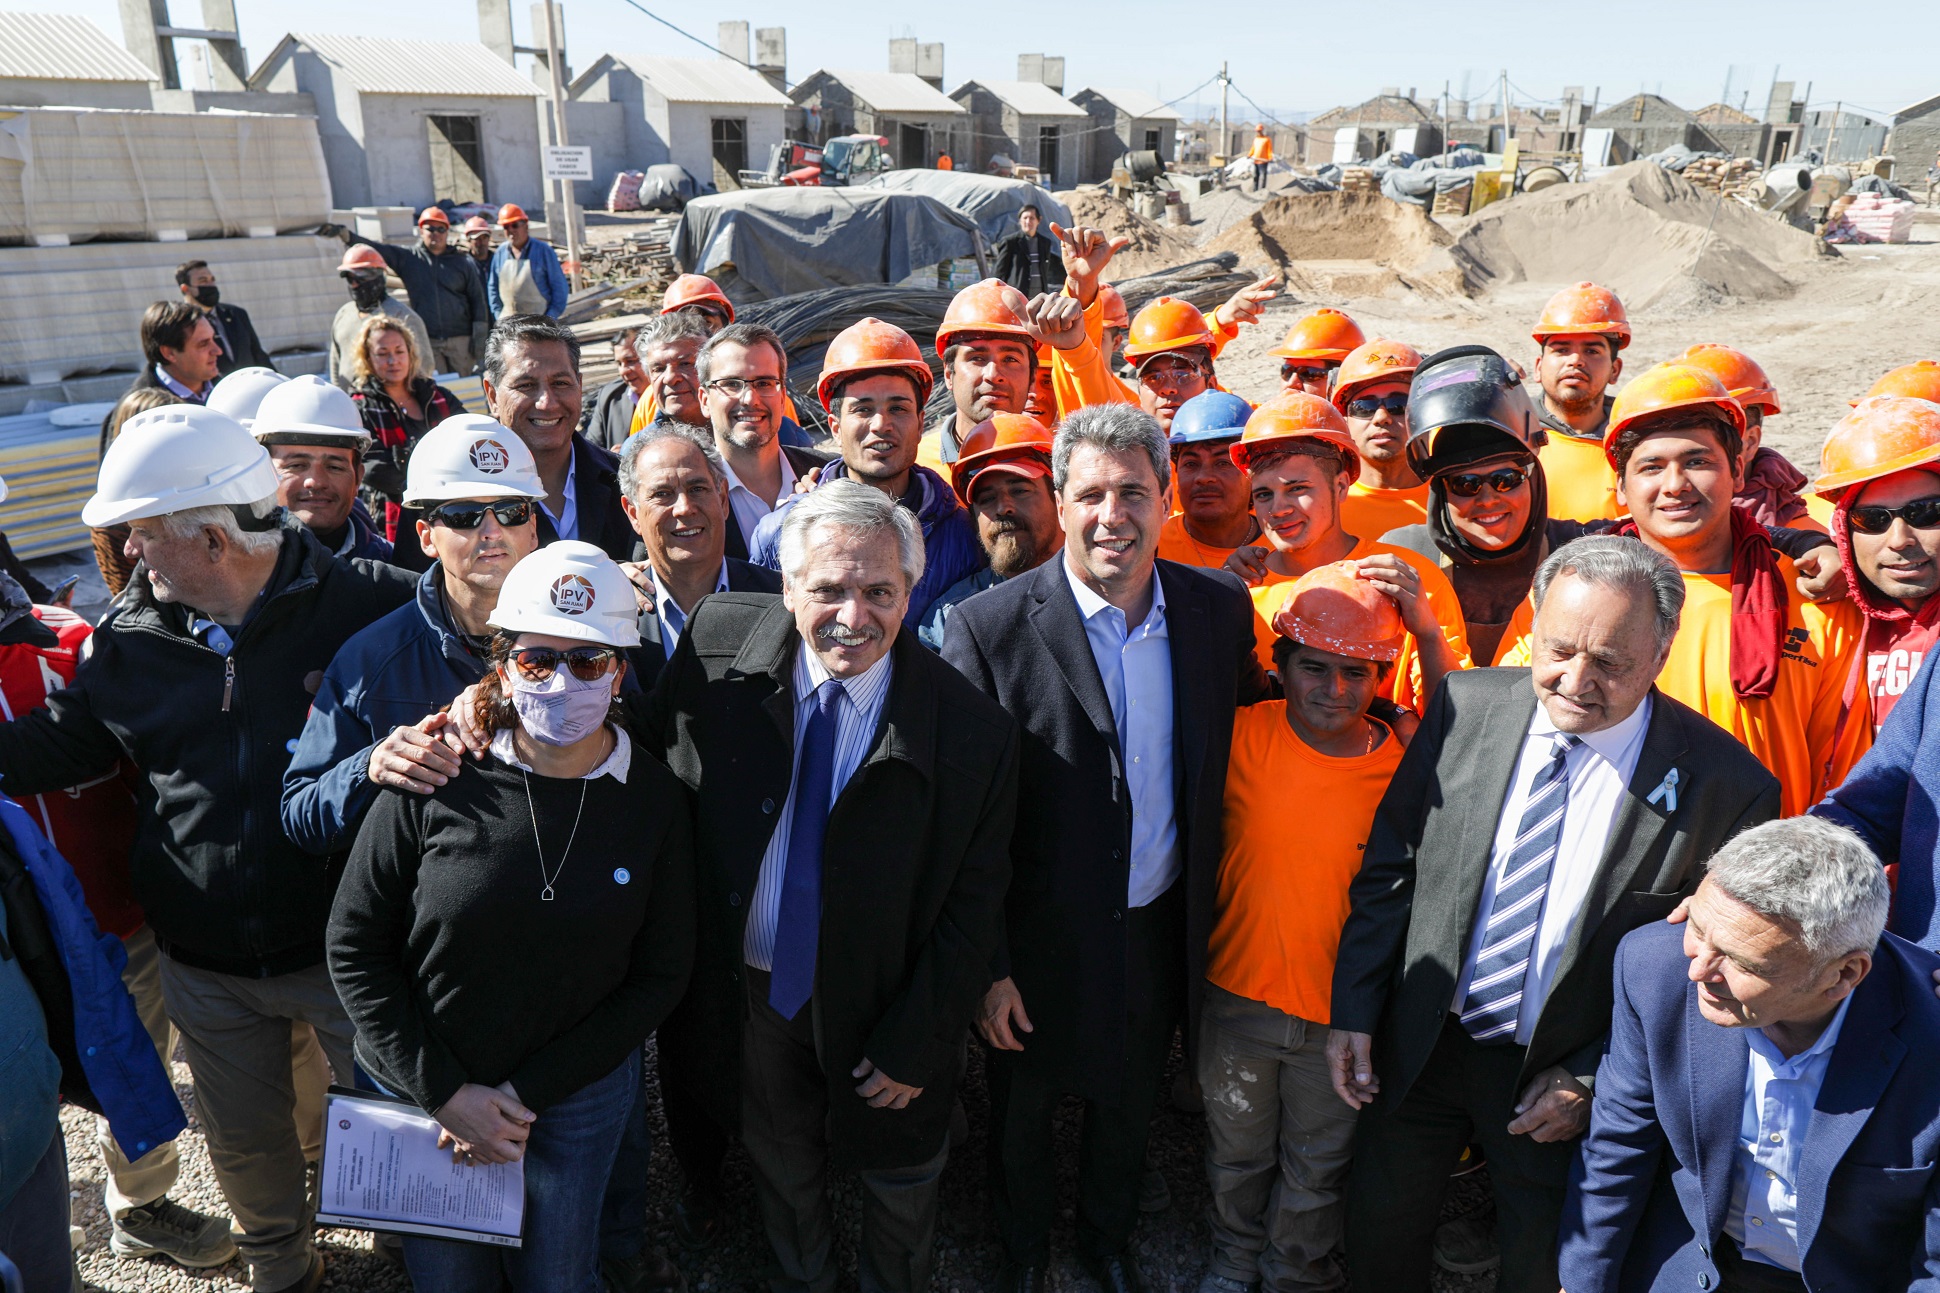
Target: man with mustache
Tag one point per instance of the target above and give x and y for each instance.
(317, 442)
(1004, 477)
(1215, 513)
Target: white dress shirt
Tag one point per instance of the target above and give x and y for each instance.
(566, 524)
(1599, 770)
(749, 507)
(857, 716)
(1779, 1095)
(673, 620)
(1136, 667)
(617, 763)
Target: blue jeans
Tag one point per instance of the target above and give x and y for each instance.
(567, 1160)
(623, 1215)
(33, 1225)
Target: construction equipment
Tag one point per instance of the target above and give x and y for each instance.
(846, 159)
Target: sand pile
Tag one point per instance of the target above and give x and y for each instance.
(1344, 244)
(1641, 230)
(1153, 247)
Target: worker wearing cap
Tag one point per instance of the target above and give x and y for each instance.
(1278, 1142)
(201, 678)
(1371, 390)
(1004, 477)
(1578, 338)
(362, 270)
(699, 301)
(1215, 505)
(525, 277)
(317, 443)
(1314, 348)
(445, 289)
(1772, 485)
(1751, 655)
(874, 384)
(1299, 460)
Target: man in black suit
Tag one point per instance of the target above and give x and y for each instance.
(855, 799)
(1538, 816)
(1125, 672)
(1029, 260)
(744, 394)
(241, 348)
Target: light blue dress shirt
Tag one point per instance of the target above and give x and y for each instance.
(1779, 1095)
(566, 524)
(1136, 667)
(857, 716)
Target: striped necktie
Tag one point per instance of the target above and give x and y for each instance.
(1494, 1000)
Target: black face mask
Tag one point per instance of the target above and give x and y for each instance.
(207, 295)
(366, 292)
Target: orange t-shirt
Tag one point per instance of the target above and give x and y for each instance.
(1581, 485)
(1373, 511)
(1282, 901)
(1404, 682)
(1792, 731)
(1176, 544)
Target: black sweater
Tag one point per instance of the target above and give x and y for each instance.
(453, 968)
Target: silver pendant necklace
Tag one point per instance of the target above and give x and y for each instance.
(545, 894)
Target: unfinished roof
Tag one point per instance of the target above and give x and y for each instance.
(374, 65)
(1723, 114)
(701, 80)
(891, 92)
(1382, 109)
(63, 47)
(1919, 109)
(1029, 98)
(1134, 103)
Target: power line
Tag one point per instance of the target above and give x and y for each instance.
(706, 45)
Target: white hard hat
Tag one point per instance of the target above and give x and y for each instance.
(470, 456)
(309, 410)
(569, 589)
(242, 391)
(177, 457)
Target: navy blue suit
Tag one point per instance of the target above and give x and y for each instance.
(1651, 1188)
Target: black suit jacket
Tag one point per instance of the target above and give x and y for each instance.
(647, 659)
(596, 494)
(1014, 261)
(1415, 899)
(608, 417)
(803, 462)
(914, 872)
(245, 348)
(1023, 643)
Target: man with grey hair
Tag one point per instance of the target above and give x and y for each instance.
(856, 798)
(1126, 672)
(1769, 1120)
(201, 677)
(1537, 817)
(743, 374)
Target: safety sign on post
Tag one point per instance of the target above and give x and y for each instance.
(568, 163)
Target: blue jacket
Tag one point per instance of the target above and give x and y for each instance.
(1892, 798)
(404, 666)
(938, 618)
(116, 1053)
(363, 540)
(951, 548)
(1650, 1190)
(546, 273)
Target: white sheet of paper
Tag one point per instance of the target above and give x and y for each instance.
(383, 1170)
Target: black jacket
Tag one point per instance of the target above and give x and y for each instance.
(244, 348)
(223, 887)
(913, 886)
(650, 657)
(608, 418)
(803, 462)
(1014, 261)
(596, 496)
(1023, 643)
(445, 290)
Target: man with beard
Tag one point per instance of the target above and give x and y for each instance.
(1371, 389)
(1215, 513)
(743, 375)
(1577, 338)
(1004, 477)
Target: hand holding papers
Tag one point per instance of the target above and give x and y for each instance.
(383, 1169)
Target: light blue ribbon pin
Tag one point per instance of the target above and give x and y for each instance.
(1666, 791)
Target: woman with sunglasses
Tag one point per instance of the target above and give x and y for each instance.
(506, 943)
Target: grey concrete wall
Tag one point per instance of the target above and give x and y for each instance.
(397, 147)
(1915, 143)
(340, 125)
(23, 92)
(602, 128)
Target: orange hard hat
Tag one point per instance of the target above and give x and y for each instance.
(477, 224)
(1919, 381)
(992, 308)
(695, 289)
(1585, 310)
(1012, 442)
(1668, 386)
(1167, 323)
(360, 256)
(869, 345)
(511, 213)
(1325, 334)
(1380, 360)
(1116, 315)
(1883, 434)
(1331, 608)
(434, 215)
(1738, 371)
(1290, 416)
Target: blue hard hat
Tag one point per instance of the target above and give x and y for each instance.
(1209, 415)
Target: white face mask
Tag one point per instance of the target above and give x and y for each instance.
(562, 709)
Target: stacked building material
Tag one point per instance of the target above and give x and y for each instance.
(1358, 179)
(1719, 175)
(48, 461)
(1877, 218)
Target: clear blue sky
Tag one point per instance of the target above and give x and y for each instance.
(1881, 60)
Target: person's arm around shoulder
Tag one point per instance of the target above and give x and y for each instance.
(1872, 798)
(1236, 622)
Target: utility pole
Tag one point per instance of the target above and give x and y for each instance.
(556, 73)
(1832, 132)
(1508, 129)
(1447, 147)
(1225, 131)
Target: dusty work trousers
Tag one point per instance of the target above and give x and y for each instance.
(1278, 1143)
(238, 1034)
(453, 355)
(784, 1127)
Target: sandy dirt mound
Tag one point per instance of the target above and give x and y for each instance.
(1153, 247)
(1642, 231)
(1343, 244)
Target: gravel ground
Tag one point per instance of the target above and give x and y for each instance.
(1170, 1245)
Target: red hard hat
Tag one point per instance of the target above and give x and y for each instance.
(1585, 310)
(477, 224)
(360, 257)
(1116, 315)
(1331, 608)
(1291, 416)
(1738, 371)
(511, 213)
(870, 345)
(992, 308)
(1012, 442)
(434, 215)
(695, 289)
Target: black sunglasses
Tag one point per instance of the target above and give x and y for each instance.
(1502, 480)
(1308, 374)
(587, 663)
(1365, 406)
(1921, 514)
(469, 516)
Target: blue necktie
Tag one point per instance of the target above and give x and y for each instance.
(798, 918)
(1494, 1000)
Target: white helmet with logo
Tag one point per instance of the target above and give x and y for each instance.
(177, 457)
(242, 391)
(569, 589)
(309, 410)
(470, 456)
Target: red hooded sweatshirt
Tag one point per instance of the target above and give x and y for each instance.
(1896, 639)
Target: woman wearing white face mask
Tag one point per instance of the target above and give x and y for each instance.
(506, 943)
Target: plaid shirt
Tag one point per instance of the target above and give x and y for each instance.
(392, 439)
